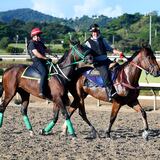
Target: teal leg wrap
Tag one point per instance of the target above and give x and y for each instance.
(70, 126)
(1, 119)
(27, 122)
(49, 127)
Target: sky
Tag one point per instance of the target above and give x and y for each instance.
(78, 8)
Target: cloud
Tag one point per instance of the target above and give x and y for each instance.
(50, 7)
(97, 7)
(72, 8)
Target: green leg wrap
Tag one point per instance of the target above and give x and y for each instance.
(27, 122)
(49, 127)
(70, 126)
(1, 119)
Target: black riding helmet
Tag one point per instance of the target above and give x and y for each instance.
(94, 28)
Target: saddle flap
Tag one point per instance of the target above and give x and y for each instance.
(31, 73)
(93, 78)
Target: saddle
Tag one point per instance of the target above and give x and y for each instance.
(31, 73)
(93, 79)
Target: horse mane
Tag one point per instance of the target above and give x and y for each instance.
(129, 59)
(135, 54)
(72, 42)
(63, 57)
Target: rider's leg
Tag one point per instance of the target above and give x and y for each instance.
(43, 72)
(105, 74)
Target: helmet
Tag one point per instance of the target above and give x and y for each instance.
(35, 31)
(94, 28)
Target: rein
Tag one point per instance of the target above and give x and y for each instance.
(139, 67)
(73, 51)
(58, 70)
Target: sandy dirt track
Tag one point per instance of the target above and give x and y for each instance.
(126, 142)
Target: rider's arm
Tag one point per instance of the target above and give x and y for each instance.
(109, 48)
(39, 55)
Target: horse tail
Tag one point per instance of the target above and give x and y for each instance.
(1, 89)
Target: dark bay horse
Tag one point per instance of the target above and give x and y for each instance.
(126, 84)
(13, 82)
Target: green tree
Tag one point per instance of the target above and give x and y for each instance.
(4, 42)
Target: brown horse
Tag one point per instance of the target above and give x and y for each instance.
(126, 84)
(56, 88)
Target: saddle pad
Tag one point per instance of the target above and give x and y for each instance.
(93, 80)
(96, 80)
(31, 73)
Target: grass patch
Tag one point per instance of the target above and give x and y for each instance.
(150, 78)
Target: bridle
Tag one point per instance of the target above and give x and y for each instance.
(58, 70)
(141, 68)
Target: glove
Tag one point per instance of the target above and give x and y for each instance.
(49, 60)
(121, 55)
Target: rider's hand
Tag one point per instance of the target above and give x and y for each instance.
(49, 60)
(121, 55)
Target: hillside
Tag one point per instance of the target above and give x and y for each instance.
(26, 15)
(29, 15)
(126, 32)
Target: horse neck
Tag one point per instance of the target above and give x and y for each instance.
(130, 73)
(67, 65)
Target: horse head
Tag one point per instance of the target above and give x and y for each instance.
(76, 55)
(146, 61)
(81, 53)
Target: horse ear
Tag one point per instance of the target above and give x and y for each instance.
(74, 41)
(144, 44)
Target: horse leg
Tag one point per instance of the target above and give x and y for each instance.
(115, 109)
(82, 113)
(24, 107)
(71, 110)
(76, 104)
(67, 119)
(9, 94)
(52, 123)
(138, 108)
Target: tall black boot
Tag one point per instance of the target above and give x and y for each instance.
(111, 92)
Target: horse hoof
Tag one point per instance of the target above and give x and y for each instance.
(145, 135)
(91, 136)
(31, 133)
(64, 134)
(42, 132)
(17, 101)
(73, 136)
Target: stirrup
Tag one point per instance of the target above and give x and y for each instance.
(41, 95)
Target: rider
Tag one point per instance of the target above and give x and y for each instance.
(37, 50)
(101, 62)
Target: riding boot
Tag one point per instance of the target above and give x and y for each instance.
(111, 92)
(41, 93)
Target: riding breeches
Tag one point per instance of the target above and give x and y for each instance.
(41, 67)
(105, 74)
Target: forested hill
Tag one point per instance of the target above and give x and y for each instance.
(25, 14)
(29, 15)
(125, 32)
